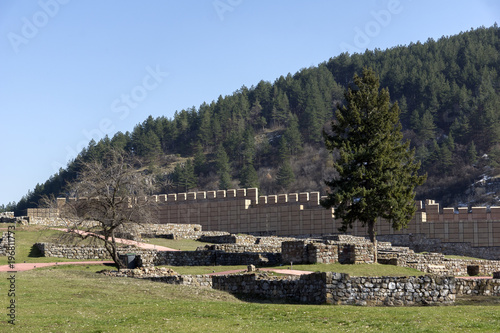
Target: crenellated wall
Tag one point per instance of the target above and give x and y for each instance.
(244, 211)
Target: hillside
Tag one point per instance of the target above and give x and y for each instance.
(269, 135)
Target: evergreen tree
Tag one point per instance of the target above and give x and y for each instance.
(377, 171)
(446, 159)
(199, 161)
(427, 127)
(248, 147)
(472, 153)
(248, 176)
(184, 177)
(205, 130)
(292, 134)
(281, 109)
(223, 168)
(285, 176)
(283, 149)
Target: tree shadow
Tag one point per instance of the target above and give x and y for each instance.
(35, 252)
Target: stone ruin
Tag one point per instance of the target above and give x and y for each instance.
(318, 288)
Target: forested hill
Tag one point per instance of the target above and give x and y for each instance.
(269, 135)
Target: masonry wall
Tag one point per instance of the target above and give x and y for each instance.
(420, 243)
(331, 288)
(337, 288)
(207, 258)
(311, 252)
(42, 212)
(244, 211)
(478, 287)
(83, 251)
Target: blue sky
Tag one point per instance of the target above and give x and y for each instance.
(72, 70)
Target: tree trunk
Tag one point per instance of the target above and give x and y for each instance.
(110, 245)
(373, 239)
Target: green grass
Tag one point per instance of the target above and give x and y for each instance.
(178, 244)
(353, 270)
(360, 269)
(461, 257)
(76, 299)
(26, 237)
(454, 256)
(73, 298)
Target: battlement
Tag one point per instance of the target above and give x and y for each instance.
(433, 212)
(292, 214)
(308, 199)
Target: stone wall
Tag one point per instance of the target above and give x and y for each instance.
(55, 222)
(421, 243)
(236, 248)
(7, 217)
(138, 231)
(478, 287)
(42, 212)
(337, 288)
(163, 274)
(243, 239)
(314, 251)
(82, 251)
(7, 243)
(331, 288)
(479, 226)
(244, 211)
(207, 258)
(435, 263)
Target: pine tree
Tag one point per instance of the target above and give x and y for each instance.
(472, 153)
(377, 171)
(223, 168)
(292, 134)
(248, 176)
(199, 161)
(446, 159)
(184, 177)
(285, 176)
(427, 128)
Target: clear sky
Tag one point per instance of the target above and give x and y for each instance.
(72, 70)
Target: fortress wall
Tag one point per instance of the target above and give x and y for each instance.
(245, 211)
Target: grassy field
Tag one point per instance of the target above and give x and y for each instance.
(25, 237)
(77, 299)
(178, 244)
(353, 270)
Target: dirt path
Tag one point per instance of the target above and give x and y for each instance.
(28, 266)
(19, 267)
(128, 242)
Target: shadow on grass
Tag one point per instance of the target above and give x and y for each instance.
(96, 268)
(248, 298)
(35, 252)
(477, 300)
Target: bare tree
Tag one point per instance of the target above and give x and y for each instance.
(111, 194)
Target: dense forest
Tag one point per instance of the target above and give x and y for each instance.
(270, 135)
